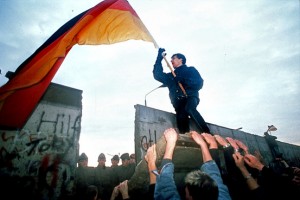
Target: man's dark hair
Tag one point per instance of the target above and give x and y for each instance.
(180, 56)
(91, 192)
(201, 186)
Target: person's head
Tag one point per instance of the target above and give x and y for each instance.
(115, 160)
(91, 192)
(82, 160)
(177, 60)
(101, 159)
(125, 159)
(199, 185)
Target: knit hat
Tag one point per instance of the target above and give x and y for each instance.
(82, 157)
(101, 157)
(125, 156)
(116, 157)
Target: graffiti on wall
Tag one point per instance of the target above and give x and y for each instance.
(46, 151)
(148, 140)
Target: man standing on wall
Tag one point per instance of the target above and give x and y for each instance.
(184, 86)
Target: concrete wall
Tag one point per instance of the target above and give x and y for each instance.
(41, 158)
(150, 123)
(43, 154)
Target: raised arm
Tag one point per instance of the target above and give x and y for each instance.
(239, 161)
(150, 158)
(204, 148)
(210, 167)
(171, 137)
(165, 187)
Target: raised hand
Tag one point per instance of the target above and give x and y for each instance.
(242, 146)
(151, 154)
(253, 162)
(171, 135)
(233, 143)
(160, 54)
(222, 141)
(115, 193)
(198, 138)
(210, 140)
(161, 51)
(123, 188)
(150, 158)
(238, 159)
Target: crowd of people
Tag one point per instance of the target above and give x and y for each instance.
(244, 176)
(99, 182)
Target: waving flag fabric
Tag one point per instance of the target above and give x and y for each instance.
(111, 21)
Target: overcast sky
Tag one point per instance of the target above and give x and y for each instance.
(248, 53)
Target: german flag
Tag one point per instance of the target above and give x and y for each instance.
(109, 22)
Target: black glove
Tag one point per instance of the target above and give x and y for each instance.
(159, 55)
(160, 51)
